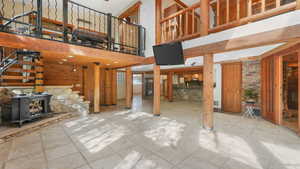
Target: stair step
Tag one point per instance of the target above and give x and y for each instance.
(16, 84)
(20, 70)
(16, 77)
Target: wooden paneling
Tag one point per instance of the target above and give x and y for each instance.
(114, 86)
(64, 74)
(271, 88)
(208, 91)
(231, 87)
(170, 86)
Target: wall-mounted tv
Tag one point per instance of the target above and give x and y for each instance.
(168, 54)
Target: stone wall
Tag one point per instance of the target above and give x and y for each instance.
(187, 94)
(251, 79)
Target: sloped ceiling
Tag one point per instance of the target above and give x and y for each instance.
(112, 6)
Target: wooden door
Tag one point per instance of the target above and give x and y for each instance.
(271, 88)
(231, 87)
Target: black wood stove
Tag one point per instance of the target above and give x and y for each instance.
(26, 107)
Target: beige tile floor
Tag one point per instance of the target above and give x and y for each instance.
(134, 139)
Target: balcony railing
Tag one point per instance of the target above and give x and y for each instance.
(224, 14)
(70, 22)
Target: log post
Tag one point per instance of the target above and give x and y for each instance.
(208, 90)
(170, 86)
(298, 4)
(156, 88)
(158, 15)
(204, 17)
(114, 87)
(128, 88)
(97, 87)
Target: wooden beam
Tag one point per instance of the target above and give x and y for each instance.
(97, 87)
(128, 88)
(180, 3)
(298, 92)
(143, 85)
(156, 96)
(170, 86)
(285, 48)
(208, 90)
(204, 19)
(131, 10)
(55, 51)
(158, 16)
(298, 4)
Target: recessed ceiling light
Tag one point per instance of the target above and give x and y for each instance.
(64, 60)
(60, 63)
(116, 62)
(70, 56)
(107, 64)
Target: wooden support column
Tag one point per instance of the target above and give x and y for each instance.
(170, 86)
(114, 87)
(39, 75)
(96, 87)
(204, 19)
(208, 91)
(158, 15)
(278, 89)
(108, 87)
(298, 4)
(128, 88)
(156, 88)
(298, 92)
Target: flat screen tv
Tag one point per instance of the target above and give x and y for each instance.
(168, 54)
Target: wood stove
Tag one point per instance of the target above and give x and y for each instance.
(26, 107)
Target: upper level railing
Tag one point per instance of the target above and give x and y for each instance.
(224, 14)
(70, 22)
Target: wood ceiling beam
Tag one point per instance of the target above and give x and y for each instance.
(283, 49)
(281, 35)
(130, 10)
(180, 3)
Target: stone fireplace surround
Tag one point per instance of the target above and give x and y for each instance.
(63, 99)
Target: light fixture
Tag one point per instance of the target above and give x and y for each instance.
(60, 63)
(116, 62)
(64, 60)
(70, 56)
(74, 68)
(107, 64)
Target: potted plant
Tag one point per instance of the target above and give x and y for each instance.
(250, 96)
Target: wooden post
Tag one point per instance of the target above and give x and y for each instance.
(108, 87)
(156, 88)
(298, 92)
(39, 75)
(298, 4)
(278, 90)
(158, 15)
(96, 87)
(128, 88)
(208, 90)
(204, 17)
(170, 86)
(114, 87)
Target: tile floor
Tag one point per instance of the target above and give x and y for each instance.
(134, 139)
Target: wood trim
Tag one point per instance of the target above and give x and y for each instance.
(156, 88)
(208, 90)
(131, 10)
(285, 48)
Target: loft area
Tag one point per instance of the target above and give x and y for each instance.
(70, 22)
